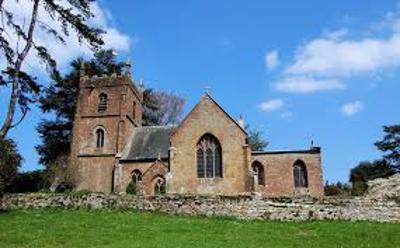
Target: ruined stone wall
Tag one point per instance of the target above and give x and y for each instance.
(278, 173)
(244, 207)
(207, 117)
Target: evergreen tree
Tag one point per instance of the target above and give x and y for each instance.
(391, 146)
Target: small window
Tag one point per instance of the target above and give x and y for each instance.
(300, 174)
(99, 138)
(102, 103)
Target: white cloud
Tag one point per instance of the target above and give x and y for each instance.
(352, 108)
(272, 59)
(327, 62)
(271, 105)
(304, 84)
(342, 58)
(63, 54)
(285, 115)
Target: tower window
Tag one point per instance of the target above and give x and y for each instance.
(99, 138)
(102, 103)
(134, 110)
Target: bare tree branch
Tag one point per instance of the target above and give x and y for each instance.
(24, 112)
(15, 91)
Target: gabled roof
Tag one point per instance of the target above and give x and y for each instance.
(208, 96)
(148, 143)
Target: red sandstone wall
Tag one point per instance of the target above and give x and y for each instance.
(207, 117)
(278, 169)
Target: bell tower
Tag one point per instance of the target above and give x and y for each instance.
(109, 107)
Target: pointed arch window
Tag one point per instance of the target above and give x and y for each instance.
(99, 138)
(102, 107)
(258, 170)
(300, 174)
(209, 157)
(136, 179)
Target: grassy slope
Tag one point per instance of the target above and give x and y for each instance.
(83, 228)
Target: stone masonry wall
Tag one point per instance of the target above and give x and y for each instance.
(278, 173)
(244, 207)
(208, 118)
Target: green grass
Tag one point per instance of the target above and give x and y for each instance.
(90, 228)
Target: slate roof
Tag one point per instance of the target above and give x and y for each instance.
(149, 143)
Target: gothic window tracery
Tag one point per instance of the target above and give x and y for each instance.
(209, 157)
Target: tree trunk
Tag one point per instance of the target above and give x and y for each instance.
(15, 91)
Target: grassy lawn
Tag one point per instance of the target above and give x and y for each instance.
(89, 228)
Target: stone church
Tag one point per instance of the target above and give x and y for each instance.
(207, 153)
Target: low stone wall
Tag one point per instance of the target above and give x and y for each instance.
(244, 207)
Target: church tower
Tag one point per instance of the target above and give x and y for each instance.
(109, 107)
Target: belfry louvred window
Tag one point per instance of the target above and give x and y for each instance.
(102, 107)
(209, 157)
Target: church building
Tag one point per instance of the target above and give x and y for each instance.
(207, 153)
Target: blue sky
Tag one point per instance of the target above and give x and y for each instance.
(298, 70)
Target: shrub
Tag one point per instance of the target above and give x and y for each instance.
(366, 171)
(10, 160)
(131, 188)
(31, 181)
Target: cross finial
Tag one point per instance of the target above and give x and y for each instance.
(208, 90)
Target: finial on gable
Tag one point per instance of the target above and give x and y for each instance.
(141, 86)
(312, 144)
(207, 90)
(127, 67)
(241, 121)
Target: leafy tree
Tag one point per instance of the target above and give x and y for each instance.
(391, 146)
(366, 171)
(60, 100)
(10, 161)
(71, 15)
(255, 139)
(162, 108)
(338, 189)
(31, 181)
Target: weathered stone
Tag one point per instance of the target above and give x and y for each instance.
(384, 188)
(243, 207)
